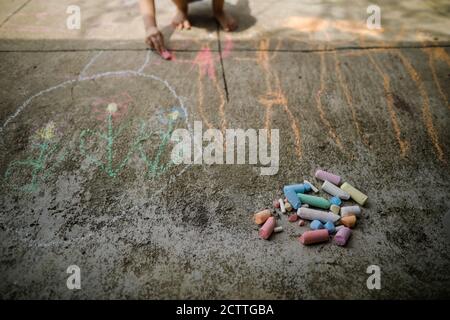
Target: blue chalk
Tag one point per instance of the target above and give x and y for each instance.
(291, 191)
(336, 201)
(330, 227)
(298, 188)
(316, 224)
(291, 195)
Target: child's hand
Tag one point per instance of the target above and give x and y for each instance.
(155, 39)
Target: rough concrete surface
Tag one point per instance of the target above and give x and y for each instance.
(369, 105)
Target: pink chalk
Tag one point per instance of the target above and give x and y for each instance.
(315, 236)
(267, 228)
(342, 236)
(293, 218)
(276, 204)
(166, 55)
(327, 176)
(301, 223)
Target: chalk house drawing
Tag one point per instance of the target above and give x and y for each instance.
(36, 168)
(169, 117)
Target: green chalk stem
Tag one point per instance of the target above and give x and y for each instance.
(318, 202)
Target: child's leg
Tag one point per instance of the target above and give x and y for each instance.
(180, 21)
(226, 21)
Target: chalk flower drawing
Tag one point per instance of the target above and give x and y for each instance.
(117, 106)
(36, 168)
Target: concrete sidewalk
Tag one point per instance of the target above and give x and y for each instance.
(369, 105)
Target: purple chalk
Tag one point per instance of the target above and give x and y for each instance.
(327, 176)
(342, 236)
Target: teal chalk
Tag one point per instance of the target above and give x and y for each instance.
(314, 201)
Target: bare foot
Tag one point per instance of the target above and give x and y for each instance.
(180, 21)
(226, 21)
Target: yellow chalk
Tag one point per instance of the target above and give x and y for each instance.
(335, 209)
(356, 195)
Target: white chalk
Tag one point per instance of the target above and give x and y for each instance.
(282, 206)
(351, 211)
(312, 214)
(305, 205)
(278, 229)
(312, 186)
(335, 190)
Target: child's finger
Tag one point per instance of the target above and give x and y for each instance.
(187, 25)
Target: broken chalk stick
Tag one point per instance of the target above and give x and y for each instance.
(293, 218)
(288, 206)
(330, 227)
(282, 206)
(278, 229)
(356, 195)
(314, 236)
(314, 201)
(290, 191)
(342, 236)
(351, 211)
(335, 190)
(348, 221)
(166, 55)
(336, 200)
(311, 214)
(335, 209)
(316, 224)
(262, 216)
(267, 228)
(328, 176)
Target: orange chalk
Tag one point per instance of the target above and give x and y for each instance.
(348, 221)
(315, 236)
(262, 216)
(267, 229)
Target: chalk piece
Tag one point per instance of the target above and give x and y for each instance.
(336, 200)
(278, 229)
(305, 205)
(276, 204)
(328, 176)
(330, 227)
(288, 206)
(290, 191)
(335, 190)
(348, 221)
(311, 185)
(335, 209)
(267, 228)
(342, 236)
(293, 218)
(340, 227)
(166, 55)
(282, 206)
(314, 201)
(356, 195)
(311, 214)
(314, 236)
(351, 211)
(316, 224)
(262, 216)
(301, 223)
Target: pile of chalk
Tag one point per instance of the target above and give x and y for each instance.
(337, 220)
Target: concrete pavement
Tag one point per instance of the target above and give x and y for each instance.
(369, 105)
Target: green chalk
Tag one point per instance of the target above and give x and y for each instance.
(318, 202)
